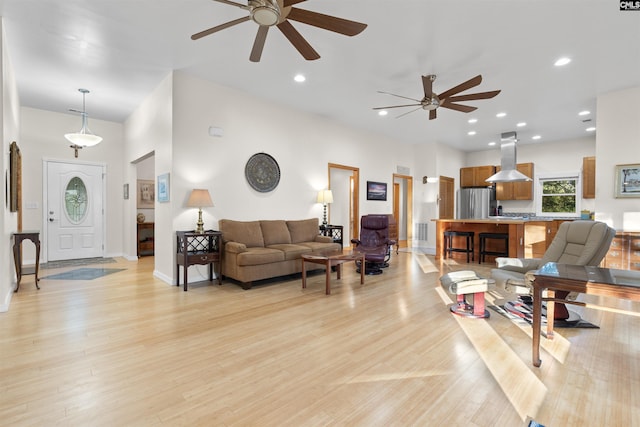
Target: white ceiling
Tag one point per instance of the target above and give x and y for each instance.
(120, 50)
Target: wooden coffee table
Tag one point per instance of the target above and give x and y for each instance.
(332, 259)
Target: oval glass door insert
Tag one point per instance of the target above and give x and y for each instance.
(75, 200)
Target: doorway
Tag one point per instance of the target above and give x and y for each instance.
(74, 220)
(344, 182)
(403, 208)
(446, 197)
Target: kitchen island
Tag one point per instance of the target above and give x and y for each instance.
(527, 238)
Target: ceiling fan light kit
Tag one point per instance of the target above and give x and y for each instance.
(264, 12)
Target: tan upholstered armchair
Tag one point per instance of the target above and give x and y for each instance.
(577, 242)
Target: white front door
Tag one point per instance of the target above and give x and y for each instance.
(74, 211)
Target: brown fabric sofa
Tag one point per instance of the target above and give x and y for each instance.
(256, 250)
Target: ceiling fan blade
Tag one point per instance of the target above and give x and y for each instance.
(473, 96)
(212, 30)
(427, 83)
(298, 41)
(232, 3)
(326, 22)
(432, 114)
(396, 106)
(408, 112)
(461, 87)
(399, 96)
(458, 107)
(287, 3)
(258, 43)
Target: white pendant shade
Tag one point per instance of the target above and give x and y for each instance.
(84, 137)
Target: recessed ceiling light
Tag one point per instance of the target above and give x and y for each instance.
(299, 78)
(492, 143)
(501, 115)
(473, 120)
(521, 124)
(591, 129)
(536, 137)
(383, 112)
(562, 61)
(584, 113)
(471, 132)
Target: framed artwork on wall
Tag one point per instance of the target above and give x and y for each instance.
(627, 181)
(163, 187)
(15, 177)
(376, 190)
(146, 194)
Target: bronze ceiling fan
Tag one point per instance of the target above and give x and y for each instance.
(278, 13)
(447, 99)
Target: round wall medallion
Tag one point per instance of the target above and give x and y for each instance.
(262, 172)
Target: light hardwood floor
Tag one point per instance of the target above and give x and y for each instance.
(130, 350)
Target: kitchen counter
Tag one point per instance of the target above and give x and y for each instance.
(527, 238)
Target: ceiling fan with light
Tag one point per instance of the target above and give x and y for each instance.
(447, 99)
(269, 13)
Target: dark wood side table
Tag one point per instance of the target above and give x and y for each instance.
(198, 248)
(333, 231)
(18, 237)
(554, 277)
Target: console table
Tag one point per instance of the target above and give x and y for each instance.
(198, 248)
(18, 237)
(553, 277)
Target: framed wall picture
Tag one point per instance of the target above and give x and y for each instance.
(146, 194)
(627, 181)
(163, 187)
(376, 190)
(15, 177)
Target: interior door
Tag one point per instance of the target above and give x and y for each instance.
(445, 197)
(74, 210)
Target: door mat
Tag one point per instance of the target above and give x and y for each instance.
(84, 274)
(522, 313)
(76, 262)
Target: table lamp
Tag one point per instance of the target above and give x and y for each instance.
(199, 198)
(325, 197)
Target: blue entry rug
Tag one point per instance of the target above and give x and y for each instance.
(76, 262)
(84, 274)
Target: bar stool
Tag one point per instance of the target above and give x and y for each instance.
(483, 245)
(448, 243)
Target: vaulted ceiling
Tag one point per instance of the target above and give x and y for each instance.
(120, 50)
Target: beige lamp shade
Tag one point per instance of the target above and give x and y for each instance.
(199, 198)
(325, 196)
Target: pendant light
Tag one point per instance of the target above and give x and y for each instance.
(84, 137)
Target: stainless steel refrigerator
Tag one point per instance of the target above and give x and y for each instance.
(477, 203)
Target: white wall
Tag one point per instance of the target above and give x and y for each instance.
(149, 130)
(9, 123)
(617, 143)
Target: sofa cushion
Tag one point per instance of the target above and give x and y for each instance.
(275, 232)
(257, 256)
(319, 247)
(304, 230)
(247, 232)
(291, 251)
